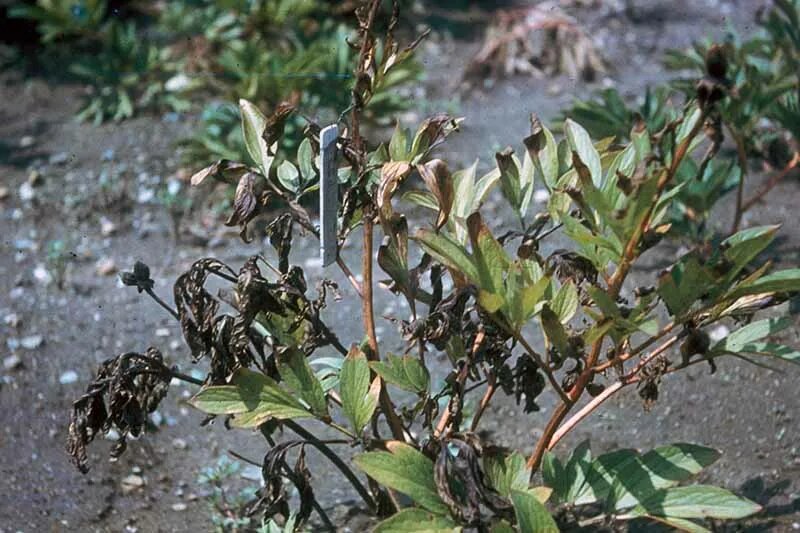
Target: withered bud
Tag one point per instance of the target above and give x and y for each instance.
(139, 277)
(595, 389)
(697, 343)
(716, 62)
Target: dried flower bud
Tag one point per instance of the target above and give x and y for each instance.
(716, 62)
(139, 277)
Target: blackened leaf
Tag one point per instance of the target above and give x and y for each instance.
(125, 390)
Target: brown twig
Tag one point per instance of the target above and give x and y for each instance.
(350, 277)
(772, 182)
(487, 397)
(367, 306)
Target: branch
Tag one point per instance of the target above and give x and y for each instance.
(616, 281)
(772, 182)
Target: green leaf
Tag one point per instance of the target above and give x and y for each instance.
(685, 282)
(543, 150)
(404, 371)
(601, 474)
(786, 353)
(289, 176)
(532, 516)
(743, 247)
(398, 145)
(576, 470)
(406, 470)
(659, 468)
(553, 475)
(359, 398)
(680, 524)
(502, 527)
(305, 160)
(489, 256)
(783, 281)
(736, 341)
(296, 372)
(565, 302)
(555, 332)
(253, 125)
(697, 501)
(250, 393)
(416, 521)
(448, 252)
(508, 165)
(580, 143)
(506, 473)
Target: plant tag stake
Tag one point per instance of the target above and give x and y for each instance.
(328, 194)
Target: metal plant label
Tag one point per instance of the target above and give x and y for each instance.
(328, 194)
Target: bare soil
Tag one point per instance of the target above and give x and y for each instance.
(745, 411)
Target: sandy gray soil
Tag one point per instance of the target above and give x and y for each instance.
(745, 411)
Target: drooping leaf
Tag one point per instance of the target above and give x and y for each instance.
(250, 393)
(405, 470)
(414, 520)
(532, 516)
(296, 372)
(359, 398)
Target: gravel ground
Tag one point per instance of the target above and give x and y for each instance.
(54, 337)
